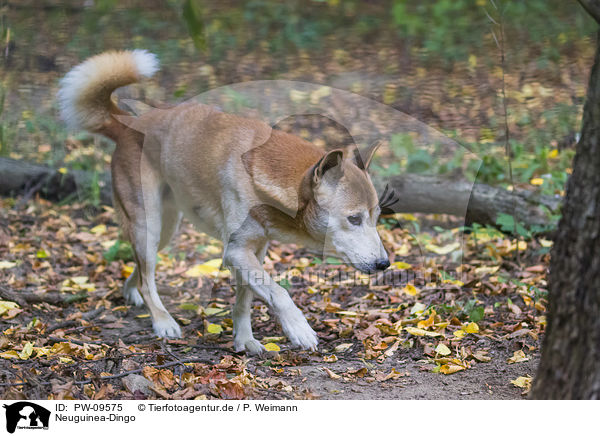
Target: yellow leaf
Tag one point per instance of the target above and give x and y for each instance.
(210, 268)
(332, 358)
(472, 327)
(406, 217)
(346, 313)
(214, 329)
(421, 332)
(442, 350)
(143, 315)
(401, 265)
(451, 368)
(553, 154)
(126, 271)
(443, 250)
(62, 170)
(209, 311)
(518, 356)
(417, 309)
(472, 61)
(428, 322)
(269, 347)
(65, 360)
(5, 306)
(403, 250)
(99, 229)
(213, 250)
(4, 264)
(12, 354)
(537, 181)
(410, 290)
(27, 351)
(79, 280)
(546, 243)
(522, 382)
(42, 254)
(42, 351)
(298, 96)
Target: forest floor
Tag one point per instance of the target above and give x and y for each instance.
(457, 316)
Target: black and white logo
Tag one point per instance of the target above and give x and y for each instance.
(26, 415)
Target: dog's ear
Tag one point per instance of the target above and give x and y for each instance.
(363, 159)
(332, 162)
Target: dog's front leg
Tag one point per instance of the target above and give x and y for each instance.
(248, 272)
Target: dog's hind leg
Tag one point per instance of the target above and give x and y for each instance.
(243, 339)
(139, 200)
(171, 217)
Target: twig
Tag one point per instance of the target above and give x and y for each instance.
(31, 191)
(75, 341)
(25, 298)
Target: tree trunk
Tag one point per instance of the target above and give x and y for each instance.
(424, 194)
(570, 363)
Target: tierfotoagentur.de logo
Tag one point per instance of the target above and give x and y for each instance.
(25, 415)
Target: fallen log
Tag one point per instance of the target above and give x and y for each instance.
(27, 179)
(417, 193)
(478, 203)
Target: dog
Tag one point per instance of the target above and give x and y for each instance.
(234, 178)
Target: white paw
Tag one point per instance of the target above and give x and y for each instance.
(167, 327)
(298, 331)
(250, 346)
(133, 297)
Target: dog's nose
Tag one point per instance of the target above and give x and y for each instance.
(381, 264)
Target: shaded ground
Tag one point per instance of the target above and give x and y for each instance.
(416, 331)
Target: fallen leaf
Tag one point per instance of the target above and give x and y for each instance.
(5, 306)
(331, 358)
(518, 356)
(332, 374)
(537, 181)
(442, 350)
(451, 368)
(27, 351)
(472, 327)
(443, 250)
(215, 329)
(522, 382)
(401, 265)
(410, 290)
(421, 332)
(342, 348)
(210, 269)
(269, 346)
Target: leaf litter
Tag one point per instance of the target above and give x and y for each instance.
(378, 336)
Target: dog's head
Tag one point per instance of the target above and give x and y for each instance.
(343, 209)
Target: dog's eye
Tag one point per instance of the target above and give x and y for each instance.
(355, 220)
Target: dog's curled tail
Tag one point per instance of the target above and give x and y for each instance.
(85, 92)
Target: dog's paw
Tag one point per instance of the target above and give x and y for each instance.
(298, 331)
(251, 346)
(130, 291)
(133, 297)
(166, 328)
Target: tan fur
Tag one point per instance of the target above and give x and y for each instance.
(238, 180)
